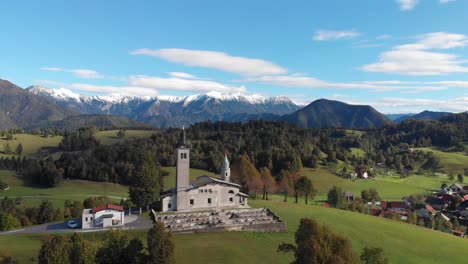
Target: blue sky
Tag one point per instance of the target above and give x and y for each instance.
(397, 55)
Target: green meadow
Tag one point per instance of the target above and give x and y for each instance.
(68, 190)
(402, 243)
(110, 137)
(451, 162)
(32, 144)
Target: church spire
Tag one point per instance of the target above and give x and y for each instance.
(225, 170)
(182, 139)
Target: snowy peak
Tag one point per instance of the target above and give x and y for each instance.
(58, 94)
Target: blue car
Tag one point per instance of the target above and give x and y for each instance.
(73, 224)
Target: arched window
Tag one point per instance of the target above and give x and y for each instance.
(231, 191)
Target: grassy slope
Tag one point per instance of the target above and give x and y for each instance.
(69, 189)
(403, 243)
(31, 143)
(452, 162)
(389, 187)
(110, 137)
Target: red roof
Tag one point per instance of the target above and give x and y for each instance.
(326, 205)
(107, 206)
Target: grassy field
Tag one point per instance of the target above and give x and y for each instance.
(31, 144)
(70, 189)
(389, 187)
(170, 180)
(110, 137)
(451, 162)
(402, 243)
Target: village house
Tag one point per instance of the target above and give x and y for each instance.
(108, 215)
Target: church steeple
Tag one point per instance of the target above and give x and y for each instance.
(182, 140)
(225, 170)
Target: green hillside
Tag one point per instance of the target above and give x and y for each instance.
(397, 239)
(110, 137)
(31, 143)
(451, 162)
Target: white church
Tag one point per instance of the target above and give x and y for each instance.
(205, 193)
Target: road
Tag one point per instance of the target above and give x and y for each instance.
(131, 222)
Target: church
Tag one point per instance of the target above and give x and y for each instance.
(205, 193)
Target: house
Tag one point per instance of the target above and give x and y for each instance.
(458, 233)
(436, 203)
(349, 196)
(365, 175)
(205, 193)
(446, 190)
(108, 215)
(353, 175)
(394, 206)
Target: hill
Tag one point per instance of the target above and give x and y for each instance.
(328, 113)
(78, 121)
(19, 108)
(424, 115)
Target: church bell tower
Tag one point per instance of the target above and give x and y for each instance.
(183, 163)
(225, 170)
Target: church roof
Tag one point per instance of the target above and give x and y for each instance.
(204, 180)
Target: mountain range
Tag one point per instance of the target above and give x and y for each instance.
(38, 106)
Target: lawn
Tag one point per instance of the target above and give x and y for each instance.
(68, 189)
(110, 137)
(31, 143)
(451, 162)
(389, 187)
(402, 243)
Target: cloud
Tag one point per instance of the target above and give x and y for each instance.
(418, 58)
(215, 60)
(446, 1)
(322, 35)
(182, 75)
(178, 84)
(310, 82)
(80, 73)
(406, 5)
(459, 104)
(384, 36)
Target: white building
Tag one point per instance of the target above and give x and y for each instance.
(205, 193)
(108, 215)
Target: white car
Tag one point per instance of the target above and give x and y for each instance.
(72, 224)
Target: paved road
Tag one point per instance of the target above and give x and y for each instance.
(132, 222)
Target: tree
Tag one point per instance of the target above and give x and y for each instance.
(121, 133)
(286, 184)
(8, 221)
(116, 249)
(46, 212)
(19, 149)
(268, 182)
(304, 187)
(80, 251)
(160, 245)
(460, 178)
(54, 251)
(317, 244)
(145, 186)
(336, 197)
(6, 259)
(245, 173)
(373, 255)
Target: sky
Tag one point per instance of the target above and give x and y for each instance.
(400, 56)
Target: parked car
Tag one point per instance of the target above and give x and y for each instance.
(73, 224)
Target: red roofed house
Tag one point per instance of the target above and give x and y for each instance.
(107, 215)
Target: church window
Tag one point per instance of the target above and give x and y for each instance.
(191, 201)
(209, 191)
(226, 173)
(231, 191)
(230, 199)
(209, 200)
(181, 155)
(91, 218)
(185, 155)
(169, 205)
(86, 219)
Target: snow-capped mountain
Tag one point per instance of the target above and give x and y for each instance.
(166, 111)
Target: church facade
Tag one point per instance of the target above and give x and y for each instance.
(205, 193)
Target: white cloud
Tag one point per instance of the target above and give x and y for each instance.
(215, 60)
(406, 5)
(418, 58)
(310, 82)
(446, 1)
(459, 104)
(178, 84)
(80, 73)
(183, 75)
(322, 35)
